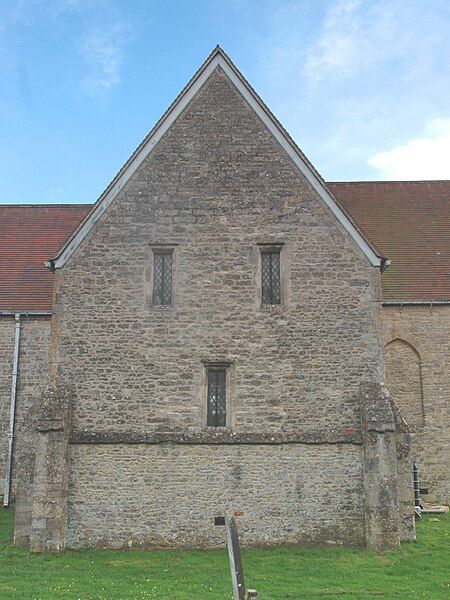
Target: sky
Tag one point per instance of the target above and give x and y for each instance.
(363, 86)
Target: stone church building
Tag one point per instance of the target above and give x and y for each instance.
(217, 332)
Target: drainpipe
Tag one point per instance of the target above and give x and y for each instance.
(12, 411)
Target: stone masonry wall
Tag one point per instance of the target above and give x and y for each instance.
(33, 374)
(426, 329)
(6, 360)
(404, 378)
(168, 495)
(215, 187)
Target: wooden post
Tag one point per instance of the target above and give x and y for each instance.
(234, 553)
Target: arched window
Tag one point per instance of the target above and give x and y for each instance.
(404, 381)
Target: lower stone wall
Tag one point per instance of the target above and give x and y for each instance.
(168, 495)
(425, 330)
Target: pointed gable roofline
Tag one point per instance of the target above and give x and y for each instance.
(217, 58)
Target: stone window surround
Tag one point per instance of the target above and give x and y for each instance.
(162, 277)
(282, 248)
(155, 248)
(230, 378)
(216, 398)
(271, 275)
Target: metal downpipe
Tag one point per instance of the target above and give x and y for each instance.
(12, 411)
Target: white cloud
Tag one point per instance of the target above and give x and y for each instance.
(102, 52)
(425, 157)
(97, 31)
(346, 77)
(358, 34)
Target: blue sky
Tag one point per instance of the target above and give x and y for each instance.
(363, 86)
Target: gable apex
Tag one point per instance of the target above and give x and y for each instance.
(217, 59)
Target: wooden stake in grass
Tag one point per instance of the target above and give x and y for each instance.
(234, 553)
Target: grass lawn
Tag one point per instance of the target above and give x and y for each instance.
(420, 570)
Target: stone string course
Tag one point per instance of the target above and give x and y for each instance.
(220, 436)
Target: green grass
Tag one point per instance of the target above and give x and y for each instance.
(418, 570)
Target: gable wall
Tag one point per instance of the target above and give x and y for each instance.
(217, 184)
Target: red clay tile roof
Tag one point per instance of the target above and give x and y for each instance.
(29, 236)
(409, 222)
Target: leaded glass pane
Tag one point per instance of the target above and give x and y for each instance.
(270, 277)
(217, 406)
(162, 278)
